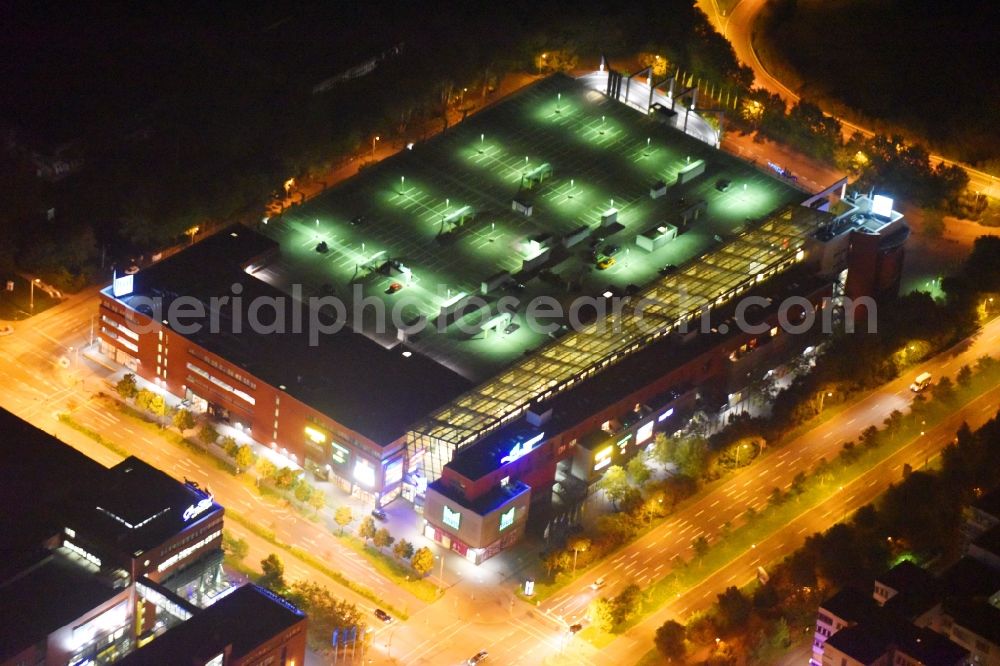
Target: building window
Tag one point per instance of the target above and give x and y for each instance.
(507, 518)
(451, 518)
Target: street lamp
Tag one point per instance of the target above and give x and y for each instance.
(31, 300)
(376, 139)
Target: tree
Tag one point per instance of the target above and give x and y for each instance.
(303, 491)
(700, 546)
(183, 420)
(143, 398)
(556, 561)
(157, 405)
(669, 640)
(273, 576)
(964, 377)
(382, 539)
(734, 609)
(229, 445)
(403, 550)
(127, 387)
(422, 561)
(265, 468)
(625, 604)
(691, 457)
(343, 516)
(326, 613)
(944, 390)
(286, 478)
(638, 470)
(367, 529)
(578, 543)
(244, 457)
(662, 451)
(208, 434)
(601, 612)
(234, 547)
(318, 502)
(615, 484)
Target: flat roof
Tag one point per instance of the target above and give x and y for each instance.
(56, 592)
(850, 604)
(486, 503)
(244, 619)
(375, 391)
(37, 475)
(136, 507)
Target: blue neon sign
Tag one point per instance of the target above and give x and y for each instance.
(522, 449)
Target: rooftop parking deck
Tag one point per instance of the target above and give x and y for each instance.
(438, 221)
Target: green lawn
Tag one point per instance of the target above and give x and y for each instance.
(16, 305)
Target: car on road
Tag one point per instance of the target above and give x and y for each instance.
(382, 615)
(379, 514)
(598, 584)
(922, 381)
(605, 263)
(723, 185)
(357, 220)
(477, 658)
(394, 287)
(611, 250)
(574, 628)
(669, 269)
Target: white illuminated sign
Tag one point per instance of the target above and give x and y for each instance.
(196, 510)
(665, 415)
(315, 435)
(522, 449)
(394, 472)
(122, 286)
(881, 206)
(507, 518)
(451, 518)
(364, 472)
(602, 458)
(644, 433)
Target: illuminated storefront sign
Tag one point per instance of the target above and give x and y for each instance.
(507, 518)
(522, 449)
(603, 458)
(315, 435)
(122, 286)
(882, 206)
(393, 472)
(644, 433)
(364, 473)
(665, 415)
(623, 442)
(196, 510)
(451, 518)
(338, 453)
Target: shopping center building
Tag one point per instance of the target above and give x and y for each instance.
(458, 403)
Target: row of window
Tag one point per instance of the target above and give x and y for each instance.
(243, 395)
(128, 344)
(124, 329)
(177, 557)
(243, 379)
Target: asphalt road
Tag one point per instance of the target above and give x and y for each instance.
(737, 27)
(648, 558)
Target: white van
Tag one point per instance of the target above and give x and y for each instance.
(922, 381)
